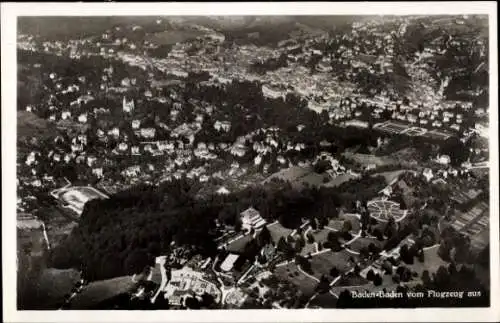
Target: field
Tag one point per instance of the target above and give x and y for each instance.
(384, 210)
(390, 176)
(99, 291)
(415, 131)
(30, 125)
(387, 284)
(352, 279)
(368, 159)
(435, 134)
(239, 244)
(277, 231)
(291, 273)
(476, 215)
(340, 179)
(431, 262)
(360, 243)
(76, 197)
(299, 176)
(325, 300)
(289, 174)
(169, 37)
(47, 289)
(322, 263)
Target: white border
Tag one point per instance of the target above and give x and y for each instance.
(9, 13)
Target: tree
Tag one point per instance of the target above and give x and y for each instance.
(426, 278)
(370, 275)
(323, 285)
(303, 263)
(264, 237)
(282, 245)
(347, 226)
(377, 280)
(334, 272)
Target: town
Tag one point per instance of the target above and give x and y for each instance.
(175, 163)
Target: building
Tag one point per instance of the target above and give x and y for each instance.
(251, 219)
(444, 159)
(427, 173)
(128, 106)
(228, 263)
(223, 191)
(272, 91)
(185, 283)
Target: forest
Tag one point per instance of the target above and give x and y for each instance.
(123, 234)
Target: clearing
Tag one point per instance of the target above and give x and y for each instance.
(322, 263)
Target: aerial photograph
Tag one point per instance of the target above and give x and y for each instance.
(252, 162)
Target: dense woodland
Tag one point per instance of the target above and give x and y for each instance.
(124, 233)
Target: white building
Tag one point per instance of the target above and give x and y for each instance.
(223, 191)
(82, 118)
(444, 159)
(228, 263)
(251, 218)
(428, 174)
(128, 106)
(136, 124)
(148, 132)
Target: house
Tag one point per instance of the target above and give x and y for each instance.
(443, 159)
(228, 262)
(148, 132)
(31, 158)
(136, 124)
(427, 173)
(222, 125)
(115, 132)
(97, 172)
(134, 150)
(82, 118)
(251, 219)
(128, 106)
(122, 146)
(65, 115)
(272, 92)
(223, 191)
(91, 160)
(258, 160)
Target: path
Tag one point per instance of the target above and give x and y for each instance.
(163, 279)
(308, 275)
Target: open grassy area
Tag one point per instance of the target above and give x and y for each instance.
(325, 300)
(277, 231)
(390, 176)
(30, 125)
(99, 291)
(368, 159)
(169, 37)
(44, 288)
(352, 279)
(322, 263)
(291, 273)
(339, 180)
(431, 262)
(239, 244)
(359, 243)
(387, 283)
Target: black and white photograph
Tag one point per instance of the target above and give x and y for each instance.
(170, 162)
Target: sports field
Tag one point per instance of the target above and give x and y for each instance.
(391, 127)
(75, 197)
